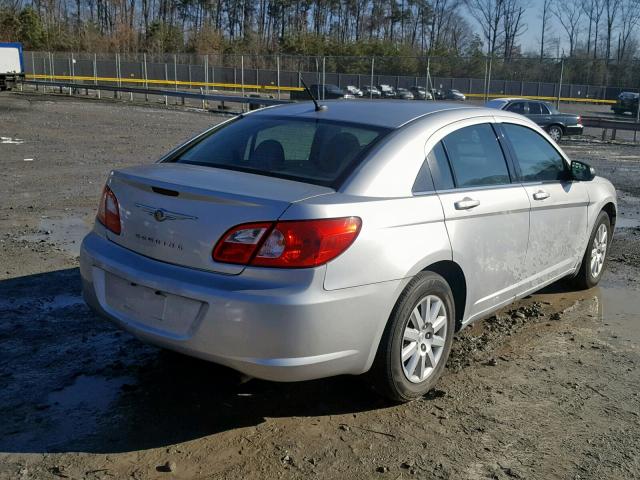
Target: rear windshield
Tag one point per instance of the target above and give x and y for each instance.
(313, 151)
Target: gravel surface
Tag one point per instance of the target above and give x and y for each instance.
(547, 388)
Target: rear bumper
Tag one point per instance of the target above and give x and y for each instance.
(574, 129)
(276, 325)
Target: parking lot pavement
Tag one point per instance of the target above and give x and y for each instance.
(547, 388)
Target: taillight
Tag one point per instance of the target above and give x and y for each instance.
(109, 211)
(239, 244)
(287, 244)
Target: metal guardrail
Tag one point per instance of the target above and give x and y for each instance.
(251, 100)
(611, 124)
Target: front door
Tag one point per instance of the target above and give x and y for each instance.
(558, 221)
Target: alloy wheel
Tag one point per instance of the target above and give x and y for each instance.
(599, 250)
(424, 339)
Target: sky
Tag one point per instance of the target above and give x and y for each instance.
(530, 39)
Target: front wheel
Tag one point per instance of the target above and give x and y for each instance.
(555, 132)
(417, 340)
(595, 257)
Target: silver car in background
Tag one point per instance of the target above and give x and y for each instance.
(294, 243)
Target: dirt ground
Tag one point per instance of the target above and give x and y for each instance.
(547, 388)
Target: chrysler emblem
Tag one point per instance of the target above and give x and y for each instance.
(160, 214)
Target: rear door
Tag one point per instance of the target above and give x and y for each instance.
(539, 113)
(558, 221)
(486, 214)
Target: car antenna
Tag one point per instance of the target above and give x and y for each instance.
(319, 107)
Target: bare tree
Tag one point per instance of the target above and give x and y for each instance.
(546, 14)
(513, 27)
(630, 19)
(569, 14)
(611, 8)
(594, 10)
(488, 14)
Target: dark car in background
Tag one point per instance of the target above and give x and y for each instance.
(387, 91)
(626, 102)
(404, 94)
(453, 94)
(420, 93)
(437, 93)
(556, 124)
(326, 91)
(370, 92)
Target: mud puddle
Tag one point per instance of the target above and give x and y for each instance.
(67, 233)
(622, 222)
(73, 413)
(620, 311)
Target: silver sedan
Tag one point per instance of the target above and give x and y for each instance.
(295, 243)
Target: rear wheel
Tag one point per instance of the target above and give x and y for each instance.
(417, 340)
(595, 257)
(555, 132)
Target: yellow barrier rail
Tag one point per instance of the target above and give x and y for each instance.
(275, 87)
(546, 99)
(161, 82)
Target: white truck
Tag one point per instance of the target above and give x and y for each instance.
(11, 65)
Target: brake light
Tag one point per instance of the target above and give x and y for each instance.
(109, 211)
(239, 244)
(287, 244)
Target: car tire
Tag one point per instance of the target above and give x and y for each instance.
(555, 132)
(411, 357)
(595, 257)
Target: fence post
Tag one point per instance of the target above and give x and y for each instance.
(489, 77)
(373, 59)
(278, 74)
(242, 77)
(324, 76)
(635, 132)
(486, 69)
(71, 72)
(206, 80)
(146, 77)
(560, 85)
(166, 80)
(44, 67)
(33, 66)
(116, 94)
(175, 75)
(95, 73)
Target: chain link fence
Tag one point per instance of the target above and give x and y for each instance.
(478, 76)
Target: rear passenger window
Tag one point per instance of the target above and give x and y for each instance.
(476, 157)
(435, 172)
(516, 107)
(440, 169)
(535, 108)
(537, 158)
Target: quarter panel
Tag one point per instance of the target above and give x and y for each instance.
(399, 236)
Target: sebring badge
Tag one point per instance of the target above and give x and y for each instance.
(160, 214)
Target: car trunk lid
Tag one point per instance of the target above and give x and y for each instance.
(176, 213)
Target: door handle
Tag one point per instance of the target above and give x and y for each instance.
(541, 195)
(466, 203)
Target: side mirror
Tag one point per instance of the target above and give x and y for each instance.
(581, 171)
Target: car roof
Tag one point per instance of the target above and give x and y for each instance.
(516, 99)
(381, 113)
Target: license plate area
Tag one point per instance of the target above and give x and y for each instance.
(152, 308)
